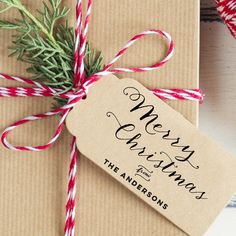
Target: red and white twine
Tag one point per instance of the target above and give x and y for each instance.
(227, 11)
(80, 90)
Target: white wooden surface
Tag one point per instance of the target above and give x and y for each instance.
(218, 112)
(218, 81)
(224, 224)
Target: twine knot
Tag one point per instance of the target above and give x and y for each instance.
(79, 91)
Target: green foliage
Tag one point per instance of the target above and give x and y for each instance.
(46, 45)
(52, 13)
(8, 25)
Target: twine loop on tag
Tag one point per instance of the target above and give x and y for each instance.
(79, 91)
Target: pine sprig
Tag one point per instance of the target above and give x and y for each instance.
(48, 47)
(52, 13)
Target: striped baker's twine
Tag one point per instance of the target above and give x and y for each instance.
(80, 89)
(165, 94)
(227, 11)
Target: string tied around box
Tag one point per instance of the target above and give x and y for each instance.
(80, 90)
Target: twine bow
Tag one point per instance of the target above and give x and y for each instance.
(80, 89)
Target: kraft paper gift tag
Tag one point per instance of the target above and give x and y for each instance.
(33, 185)
(154, 152)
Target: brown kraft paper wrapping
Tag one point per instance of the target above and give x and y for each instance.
(33, 185)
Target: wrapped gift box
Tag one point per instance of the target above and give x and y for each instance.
(33, 185)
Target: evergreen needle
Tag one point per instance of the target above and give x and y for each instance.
(48, 47)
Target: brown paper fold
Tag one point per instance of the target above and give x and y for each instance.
(33, 185)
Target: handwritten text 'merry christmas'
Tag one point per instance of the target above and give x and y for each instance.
(162, 161)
